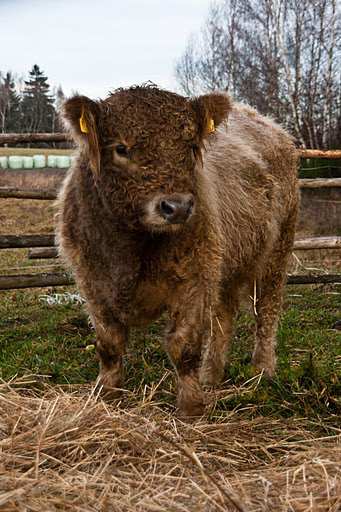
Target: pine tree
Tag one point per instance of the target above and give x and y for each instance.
(37, 104)
(9, 105)
(60, 98)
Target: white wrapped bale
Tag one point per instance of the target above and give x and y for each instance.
(39, 161)
(15, 162)
(63, 161)
(3, 162)
(27, 162)
(51, 161)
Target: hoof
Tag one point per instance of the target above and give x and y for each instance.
(269, 371)
(264, 360)
(191, 411)
(191, 405)
(111, 382)
(191, 398)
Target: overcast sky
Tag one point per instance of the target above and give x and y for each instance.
(95, 45)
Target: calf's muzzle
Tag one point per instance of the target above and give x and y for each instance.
(176, 209)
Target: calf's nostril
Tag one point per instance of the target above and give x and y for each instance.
(167, 208)
(176, 210)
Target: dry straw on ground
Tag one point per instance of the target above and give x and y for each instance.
(69, 450)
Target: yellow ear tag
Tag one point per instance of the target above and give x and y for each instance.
(82, 124)
(211, 126)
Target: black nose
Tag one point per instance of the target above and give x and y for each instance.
(176, 210)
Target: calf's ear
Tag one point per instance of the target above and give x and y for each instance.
(211, 110)
(81, 118)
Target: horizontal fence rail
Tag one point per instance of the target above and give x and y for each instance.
(320, 153)
(17, 138)
(314, 279)
(39, 253)
(23, 193)
(44, 279)
(320, 182)
(46, 244)
(26, 241)
(41, 280)
(320, 242)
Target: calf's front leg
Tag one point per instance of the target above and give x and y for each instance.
(184, 346)
(111, 337)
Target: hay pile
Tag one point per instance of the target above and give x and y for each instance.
(69, 450)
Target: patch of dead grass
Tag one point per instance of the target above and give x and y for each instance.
(65, 448)
(18, 217)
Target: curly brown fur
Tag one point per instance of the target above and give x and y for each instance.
(147, 150)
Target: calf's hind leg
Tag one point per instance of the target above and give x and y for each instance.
(269, 301)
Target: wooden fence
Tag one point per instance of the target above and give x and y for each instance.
(43, 245)
(17, 138)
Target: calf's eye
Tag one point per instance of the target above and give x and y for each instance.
(122, 150)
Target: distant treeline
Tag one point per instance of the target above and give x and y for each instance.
(281, 56)
(28, 106)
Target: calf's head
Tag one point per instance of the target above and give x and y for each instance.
(143, 146)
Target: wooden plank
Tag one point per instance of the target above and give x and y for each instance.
(53, 266)
(322, 242)
(42, 253)
(16, 138)
(320, 183)
(35, 280)
(319, 153)
(22, 241)
(63, 279)
(50, 194)
(46, 244)
(314, 279)
(16, 193)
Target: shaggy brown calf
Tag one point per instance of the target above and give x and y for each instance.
(175, 204)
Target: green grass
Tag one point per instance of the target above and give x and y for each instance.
(53, 340)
